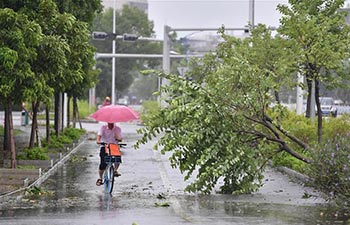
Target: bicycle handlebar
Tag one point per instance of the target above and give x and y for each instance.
(120, 144)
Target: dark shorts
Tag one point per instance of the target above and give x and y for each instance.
(103, 164)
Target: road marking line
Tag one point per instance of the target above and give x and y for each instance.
(165, 178)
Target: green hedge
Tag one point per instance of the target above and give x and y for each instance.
(149, 108)
(66, 137)
(329, 169)
(34, 154)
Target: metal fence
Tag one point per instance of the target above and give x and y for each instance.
(342, 109)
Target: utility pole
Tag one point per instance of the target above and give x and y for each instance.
(113, 52)
(166, 50)
(166, 63)
(252, 12)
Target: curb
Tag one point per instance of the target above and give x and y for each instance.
(301, 177)
(44, 176)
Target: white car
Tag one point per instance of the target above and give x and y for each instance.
(328, 107)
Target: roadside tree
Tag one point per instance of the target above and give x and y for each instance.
(83, 55)
(83, 10)
(50, 64)
(19, 38)
(224, 125)
(64, 57)
(321, 38)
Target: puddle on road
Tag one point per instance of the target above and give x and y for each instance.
(200, 209)
(239, 212)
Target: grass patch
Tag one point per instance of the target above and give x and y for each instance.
(34, 154)
(26, 167)
(2, 132)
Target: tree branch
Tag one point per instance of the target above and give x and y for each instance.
(283, 145)
(294, 139)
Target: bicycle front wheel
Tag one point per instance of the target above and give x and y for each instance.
(109, 179)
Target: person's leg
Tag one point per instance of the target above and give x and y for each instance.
(116, 166)
(99, 180)
(102, 167)
(100, 173)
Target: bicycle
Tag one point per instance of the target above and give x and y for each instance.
(113, 155)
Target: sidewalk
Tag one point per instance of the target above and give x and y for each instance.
(14, 187)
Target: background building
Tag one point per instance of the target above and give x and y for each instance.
(141, 4)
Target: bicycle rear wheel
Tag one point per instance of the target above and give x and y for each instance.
(109, 179)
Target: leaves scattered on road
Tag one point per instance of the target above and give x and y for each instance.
(164, 204)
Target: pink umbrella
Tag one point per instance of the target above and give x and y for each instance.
(115, 113)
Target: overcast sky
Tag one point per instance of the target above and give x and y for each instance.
(210, 13)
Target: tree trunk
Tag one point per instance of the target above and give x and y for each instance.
(57, 113)
(75, 110)
(47, 111)
(6, 146)
(78, 115)
(62, 112)
(11, 136)
(34, 131)
(308, 102)
(277, 97)
(68, 111)
(319, 113)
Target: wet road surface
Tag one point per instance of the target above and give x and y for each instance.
(151, 192)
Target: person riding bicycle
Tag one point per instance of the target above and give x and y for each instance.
(109, 133)
(107, 101)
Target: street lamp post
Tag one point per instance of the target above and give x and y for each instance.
(251, 12)
(166, 62)
(113, 52)
(166, 50)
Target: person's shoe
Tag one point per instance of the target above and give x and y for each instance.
(99, 182)
(116, 174)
